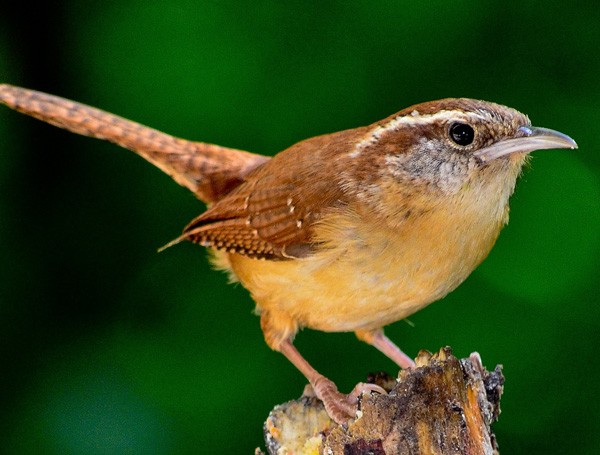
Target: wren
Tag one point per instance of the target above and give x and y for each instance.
(348, 231)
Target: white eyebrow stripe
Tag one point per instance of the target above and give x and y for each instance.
(413, 119)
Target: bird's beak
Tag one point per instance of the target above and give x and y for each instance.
(527, 139)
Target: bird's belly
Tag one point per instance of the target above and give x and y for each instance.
(354, 285)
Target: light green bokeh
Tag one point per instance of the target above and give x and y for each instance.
(551, 248)
(84, 405)
(183, 347)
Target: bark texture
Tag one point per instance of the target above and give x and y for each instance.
(443, 406)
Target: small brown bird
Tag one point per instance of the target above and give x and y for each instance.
(348, 231)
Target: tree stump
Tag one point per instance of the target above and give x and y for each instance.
(443, 406)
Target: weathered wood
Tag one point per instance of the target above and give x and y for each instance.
(443, 406)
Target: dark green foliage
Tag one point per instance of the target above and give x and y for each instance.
(109, 347)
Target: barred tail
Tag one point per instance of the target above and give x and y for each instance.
(208, 170)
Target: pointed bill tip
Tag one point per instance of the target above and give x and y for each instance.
(554, 139)
(528, 139)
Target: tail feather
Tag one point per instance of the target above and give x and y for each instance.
(208, 170)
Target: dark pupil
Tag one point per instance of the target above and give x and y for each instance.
(461, 133)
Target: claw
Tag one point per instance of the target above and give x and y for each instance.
(363, 387)
(339, 406)
(308, 391)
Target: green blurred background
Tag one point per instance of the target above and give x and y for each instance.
(109, 347)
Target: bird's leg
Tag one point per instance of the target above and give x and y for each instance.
(339, 406)
(378, 339)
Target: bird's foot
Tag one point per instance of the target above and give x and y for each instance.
(339, 406)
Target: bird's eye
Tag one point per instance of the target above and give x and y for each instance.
(462, 134)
